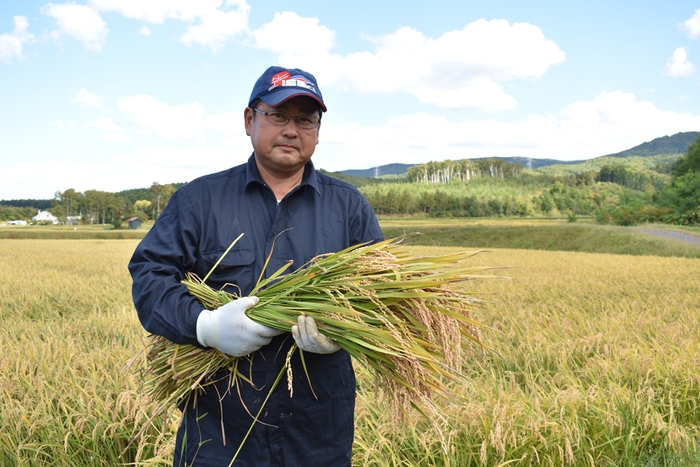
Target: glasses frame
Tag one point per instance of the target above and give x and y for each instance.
(289, 117)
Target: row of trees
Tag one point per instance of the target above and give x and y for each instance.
(12, 213)
(93, 206)
(465, 170)
(27, 203)
(631, 177)
(104, 207)
(557, 199)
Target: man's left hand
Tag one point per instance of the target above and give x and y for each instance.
(309, 339)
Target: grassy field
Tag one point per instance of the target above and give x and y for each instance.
(57, 232)
(539, 234)
(594, 361)
(520, 233)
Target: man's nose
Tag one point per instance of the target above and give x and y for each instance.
(290, 127)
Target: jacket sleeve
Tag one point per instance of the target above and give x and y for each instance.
(364, 226)
(158, 265)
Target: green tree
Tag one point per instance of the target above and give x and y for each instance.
(683, 195)
(406, 202)
(545, 202)
(104, 206)
(690, 162)
(66, 203)
(161, 196)
(144, 207)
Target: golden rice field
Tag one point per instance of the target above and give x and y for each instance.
(594, 361)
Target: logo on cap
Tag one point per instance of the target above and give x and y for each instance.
(284, 78)
(280, 77)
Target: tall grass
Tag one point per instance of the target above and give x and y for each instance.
(595, 364)
(68, 328)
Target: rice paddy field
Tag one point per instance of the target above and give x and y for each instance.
(593, 360)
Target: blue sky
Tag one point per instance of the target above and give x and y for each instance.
(118, 94)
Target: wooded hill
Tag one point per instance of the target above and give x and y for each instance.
(621, 190)
(670, 146)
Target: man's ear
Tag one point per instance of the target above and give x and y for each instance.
(248, 120)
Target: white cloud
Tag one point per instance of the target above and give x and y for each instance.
(128, 170)
(692, 26)
(178, 164)
(11, 44)
(678, 64)
(612, 122)
(309, 36)
(218, 20)
(111, 132)
(184, 164)
(228, 123)
(144, 31)
(217, 27)
(479, 94)
(78, 21)
(157, 11)
(152, 117)
(85, 98)
(185, 122)
(460, 69)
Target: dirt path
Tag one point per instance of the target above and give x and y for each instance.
(680, 236)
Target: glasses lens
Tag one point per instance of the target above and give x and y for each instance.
(277, 118)
(307, 122)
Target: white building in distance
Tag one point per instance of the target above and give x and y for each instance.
(45, 216)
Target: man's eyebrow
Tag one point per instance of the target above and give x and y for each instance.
(305, 110)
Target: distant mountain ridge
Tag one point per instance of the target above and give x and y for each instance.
(388, 169)
(674, 144)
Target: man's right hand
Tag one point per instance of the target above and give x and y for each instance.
(229, 330)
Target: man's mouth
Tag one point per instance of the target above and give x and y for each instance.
(287, 147)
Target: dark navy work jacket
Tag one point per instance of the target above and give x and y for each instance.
(203, 217)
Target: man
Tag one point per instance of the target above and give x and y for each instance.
(285, 209)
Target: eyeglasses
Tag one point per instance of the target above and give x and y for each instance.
(305, 122)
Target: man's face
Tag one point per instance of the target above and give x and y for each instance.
(282, 150)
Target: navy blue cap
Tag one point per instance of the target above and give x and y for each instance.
(278, 85)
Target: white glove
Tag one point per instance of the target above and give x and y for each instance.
(229, 330)
(308, 339)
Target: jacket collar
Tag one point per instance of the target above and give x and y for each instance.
(253, 175)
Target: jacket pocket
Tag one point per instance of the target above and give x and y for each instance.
(234, 272)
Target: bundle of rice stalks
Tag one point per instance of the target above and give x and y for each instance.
(396, 314)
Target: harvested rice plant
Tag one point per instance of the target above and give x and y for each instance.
(595, 362)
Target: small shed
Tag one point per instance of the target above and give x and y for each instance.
(134, 223)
